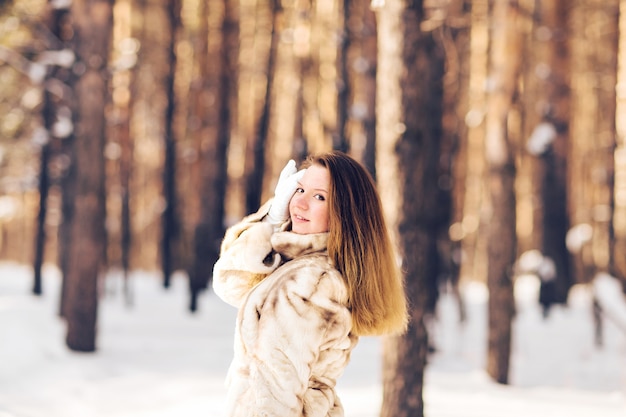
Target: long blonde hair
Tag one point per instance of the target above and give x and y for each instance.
(360, 247)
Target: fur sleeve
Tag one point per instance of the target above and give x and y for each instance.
(246, 257)
(300, 318)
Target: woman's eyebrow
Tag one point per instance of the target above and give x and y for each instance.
(314, 189)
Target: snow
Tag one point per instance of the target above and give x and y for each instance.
(377, 4)
(577, 236)
(608, 291)
(533, 261)
(63, 126)
(541, 138)
(36, 72)
(63, 58)
(8, 207)
(60, 4)
(40, 136)
(155, 359)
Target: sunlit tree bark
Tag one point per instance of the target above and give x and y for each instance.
(619, 214)
(316, 43)
(471, 228)
(591, 154)
(361, 51)
(288, 136)
(255, 151)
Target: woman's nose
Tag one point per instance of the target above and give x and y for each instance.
(299, 200)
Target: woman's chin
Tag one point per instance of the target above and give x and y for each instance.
(298, 229)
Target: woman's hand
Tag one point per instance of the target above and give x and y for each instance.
(285, 188)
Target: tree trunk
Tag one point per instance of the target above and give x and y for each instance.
(594, 48)
(360, 110)
(409, 95)
(471, 229)
(40, 238)
(319, 111)
(123, 97)
(456, 36)
(56, 109)
(200, 268)
(93, 22)
(68, 181)
(546, 95)
(502, 241)
(54, 22)
(169, 219)
(255, 158)
(221, 82)
(619, 214)
(339, 136)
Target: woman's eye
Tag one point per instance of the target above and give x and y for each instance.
(320, 197)
(299, 190)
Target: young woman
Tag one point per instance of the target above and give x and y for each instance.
(310, 272)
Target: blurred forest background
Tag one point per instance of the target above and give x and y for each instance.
(134, 131)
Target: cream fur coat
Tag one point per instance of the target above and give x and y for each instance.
(292, 337)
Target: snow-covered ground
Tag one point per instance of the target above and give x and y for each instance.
(155, 359)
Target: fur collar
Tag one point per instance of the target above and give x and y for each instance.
(291, 245)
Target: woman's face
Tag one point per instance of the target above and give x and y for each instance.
(308, 207)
